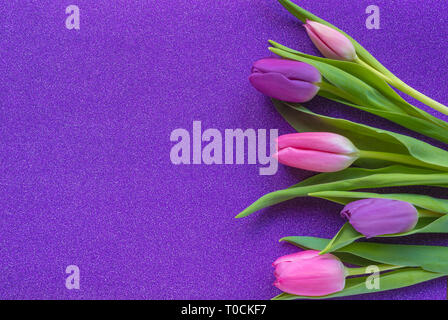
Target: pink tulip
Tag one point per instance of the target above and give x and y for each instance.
(330, 42)
(316, 151)
(307, 273)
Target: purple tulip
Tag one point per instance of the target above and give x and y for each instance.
(286, 80)
(373, 217)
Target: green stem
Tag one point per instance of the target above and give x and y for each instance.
(362, 270)
(325, 86)
(399, 84)
(399, 158)
(368, 66)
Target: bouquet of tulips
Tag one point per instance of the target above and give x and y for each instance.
(352, 156)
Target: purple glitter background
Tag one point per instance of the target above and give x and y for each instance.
(85, 121)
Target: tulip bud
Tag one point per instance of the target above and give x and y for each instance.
(316, 151)
(307, 273)
(286, 80)
(373, 217)
(330, 42)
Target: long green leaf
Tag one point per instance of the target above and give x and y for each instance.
(307, 243)
(429, 258)
(345, 236)
(314, 243)
(391, 280)
(352, 179)
(418, 200)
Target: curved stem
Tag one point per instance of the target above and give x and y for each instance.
(363, 270)
(400, 158)
(399, 84)
(368, 66)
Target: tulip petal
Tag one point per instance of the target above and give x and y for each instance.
(314, 160)
(326, 284)
(322, 141)
(331, 43)
(297, 256)
(279, 87)
(291, 69)
(320, 45)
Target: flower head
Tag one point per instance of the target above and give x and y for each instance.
(330, 42)
(373, 217)
(316, 151)
(307, 273)
(286, 80)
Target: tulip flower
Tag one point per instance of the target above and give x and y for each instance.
(286, 80)
(331, 152)
(330, 42)
(373, 217)
(307, 273)
(316, 151)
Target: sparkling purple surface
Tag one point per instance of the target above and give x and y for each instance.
(85, 121)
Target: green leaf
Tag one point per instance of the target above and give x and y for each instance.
(346, 235)
(391, 280)
(307, 243)
(314, 243)
(418, 200)
(429, 258)
(367, 98)
(365, 55)
(352, 179)
(364, 137)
